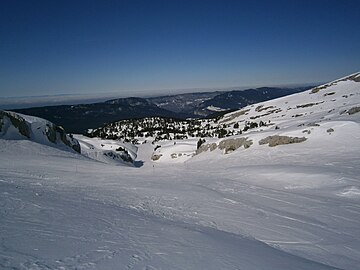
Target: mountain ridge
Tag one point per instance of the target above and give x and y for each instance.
(81, 117)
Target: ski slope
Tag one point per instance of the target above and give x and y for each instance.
(62, 211)
(291, 206)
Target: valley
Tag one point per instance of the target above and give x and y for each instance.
(277, 189)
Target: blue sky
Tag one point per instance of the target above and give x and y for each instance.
(137, 47)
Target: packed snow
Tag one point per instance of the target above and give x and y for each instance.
(291, 206)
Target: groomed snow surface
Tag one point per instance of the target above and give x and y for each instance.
(293, 206)
(63, 211)
(287, 207)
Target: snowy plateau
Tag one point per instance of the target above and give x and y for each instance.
(280, 190)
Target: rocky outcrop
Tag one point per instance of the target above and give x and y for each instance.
(68, 140)
(17, 121)
(52, 131)
(228, 145)
(35, 129)
(206, 147)
(280, 140)
(123, 155)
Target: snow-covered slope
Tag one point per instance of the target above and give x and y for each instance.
(63, 211)
(283, 193)
(329, 112)
(15, 126)
(338, 100)
(296, 118)
(107, 151)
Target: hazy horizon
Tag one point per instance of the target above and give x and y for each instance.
(87, 47)
(20, 102)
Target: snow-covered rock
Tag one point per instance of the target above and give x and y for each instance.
(107, 151)
(15, 126)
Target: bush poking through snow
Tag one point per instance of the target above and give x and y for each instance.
(308, 105)
(317, 89)
(353, 110)
(280, 140)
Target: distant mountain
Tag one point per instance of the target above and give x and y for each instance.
(238, 99)
(79, 118)
(198, 105)
(184, 103)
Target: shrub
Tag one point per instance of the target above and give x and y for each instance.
(353, 110)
